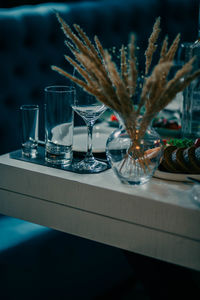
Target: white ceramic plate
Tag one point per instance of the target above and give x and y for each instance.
(175, 176)
(99, 138)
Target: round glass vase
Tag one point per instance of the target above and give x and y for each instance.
(134, 161)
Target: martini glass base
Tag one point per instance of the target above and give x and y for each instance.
(90, 166)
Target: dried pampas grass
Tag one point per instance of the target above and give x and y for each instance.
(115, 86)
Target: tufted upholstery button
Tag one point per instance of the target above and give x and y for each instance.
(44, 66)
(2, 44)
(28, 42)
(52, 38)
(19, 71)
(10, 102)
(2, 131)
(35, 94)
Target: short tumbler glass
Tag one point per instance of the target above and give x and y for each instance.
(59, 121)
(29, 118)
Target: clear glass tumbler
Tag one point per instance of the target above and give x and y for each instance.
(29, 118)
(59, 122)
(191, 95)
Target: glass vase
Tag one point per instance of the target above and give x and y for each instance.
(133, 160)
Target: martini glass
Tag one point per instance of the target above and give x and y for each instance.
(90, 109)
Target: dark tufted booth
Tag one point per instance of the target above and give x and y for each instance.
(31, 40)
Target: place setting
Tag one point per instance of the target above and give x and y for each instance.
(140, 140)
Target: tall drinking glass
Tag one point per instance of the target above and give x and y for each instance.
(90, 109)
(191, 94)
(59, 124)
(184, 55)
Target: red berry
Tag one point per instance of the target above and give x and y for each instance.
(164, 141)
(197, 142)
(113, 118)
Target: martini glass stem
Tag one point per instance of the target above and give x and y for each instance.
(89, 155)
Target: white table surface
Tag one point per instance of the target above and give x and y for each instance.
(157, 219)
